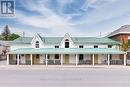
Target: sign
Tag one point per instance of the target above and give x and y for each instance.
(7, 8)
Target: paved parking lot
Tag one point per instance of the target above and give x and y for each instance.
(65, 77)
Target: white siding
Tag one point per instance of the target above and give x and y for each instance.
(87, 56)
(62, 44)
(37, 38)
(22, 59)
(72, 59)
(102, 58)
(42, 58)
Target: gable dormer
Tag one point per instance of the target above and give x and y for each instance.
(66, 42)
(37, 41)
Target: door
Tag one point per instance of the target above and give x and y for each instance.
(27, 56)
(36, 59)
(96, 58)
(66, 59)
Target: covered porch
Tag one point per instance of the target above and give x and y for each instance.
(66, 56)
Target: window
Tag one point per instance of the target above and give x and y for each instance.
(22, 55)
(95, 46)
(56, 46)
(37, 55)
(37, 44)
(81, 56)
(109, 46)
(66, 43)
(56, 56)
(110, 57)
(128, 56)
(48, 56)
(81, 46)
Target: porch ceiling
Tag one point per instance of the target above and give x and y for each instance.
(66, 51)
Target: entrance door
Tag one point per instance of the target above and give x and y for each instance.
(36, 59)
(66, 59)
(96, 58)
(27, 57)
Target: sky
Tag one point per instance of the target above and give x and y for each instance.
(76, 17)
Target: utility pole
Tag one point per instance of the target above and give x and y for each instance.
(100, 34)
(23, 34)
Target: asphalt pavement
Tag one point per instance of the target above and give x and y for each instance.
(65, 77)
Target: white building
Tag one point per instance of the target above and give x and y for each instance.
(65, 50)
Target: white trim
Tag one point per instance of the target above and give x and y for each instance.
(35, 38)
(46, 59)
(93, 59)
(76, 60)
(31, 59)
(61, 59)
(7, 59)
(108, 59)
(65, 37)
(128, 37)
(17, 59)
(118, 33)
(124, 59)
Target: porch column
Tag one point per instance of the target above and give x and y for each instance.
(108, 59)
(7, 59)
(61, 59)
(17, 59)
(76, 60)
(31, 59)
(124, 59)
(93, 59)
(46, 59)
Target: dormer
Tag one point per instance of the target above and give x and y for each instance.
(37, 41)
(67, 42)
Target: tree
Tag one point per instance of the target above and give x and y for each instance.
(125, 45)
(6, 33)
(13, 36)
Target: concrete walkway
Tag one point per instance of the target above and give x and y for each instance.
(37, 67)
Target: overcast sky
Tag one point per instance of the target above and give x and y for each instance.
(76, 17)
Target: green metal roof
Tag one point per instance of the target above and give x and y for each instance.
(76, 40)
(66, 51)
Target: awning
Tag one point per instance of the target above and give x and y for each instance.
(66, 51)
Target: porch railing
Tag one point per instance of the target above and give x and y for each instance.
(54, 62)
(116, 62)
(85, 62)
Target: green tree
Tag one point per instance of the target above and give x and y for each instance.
(13, 36)
(6, 33)
(125, 45)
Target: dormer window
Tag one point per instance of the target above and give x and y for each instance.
(56, 46)
(66, 43)
(95, 46)
(56, 56)
(81, 46)
(109, 46)
(37, 44)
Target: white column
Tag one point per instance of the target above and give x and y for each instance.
(76, 60)
(7, 59)
(61, 59)
(46, 59)
(93, 59)
(124, 59)
(31, 59)
(108, 59)
(17, 59)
